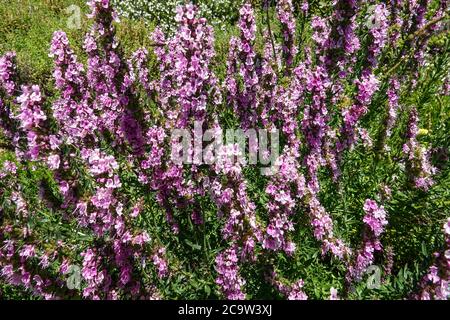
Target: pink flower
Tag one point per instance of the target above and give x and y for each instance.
(64, 268)
(53, 162)
(28, 251)
(9, 167)
(447, 227)
(333, 294)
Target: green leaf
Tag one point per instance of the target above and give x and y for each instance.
(192, 245)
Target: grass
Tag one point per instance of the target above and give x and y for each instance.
(27, 26)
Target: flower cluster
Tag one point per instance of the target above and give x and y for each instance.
(233, 201)
(292, 291)
(241, 228)
(435, 284)
(95, 276)
(288, 23)
(105, 76)
(185, 88)
(75, 116)
(218, 12)
(419, 168)
(378, 31)
(242, 60)
(323, 230)
(392, 110)
(375, 221)
(31, 118)
(314, 124)
(340, 42)
(268, 89)
(194, 51)
(228, 279)
(160, 262)
(284, 202)
(7, 73)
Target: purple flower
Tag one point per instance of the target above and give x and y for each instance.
(375, 220)
(53, 162)
(160, 263)
(379, 31)
(419, 168)
(447, 227)
(7, 73)
(333, 294)
(31, 114)
(9, 167)
(242, 62)
(228, 278)
(288, 25)
(28, 251)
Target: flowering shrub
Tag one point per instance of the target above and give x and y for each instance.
(89, 181)
(218, 12)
